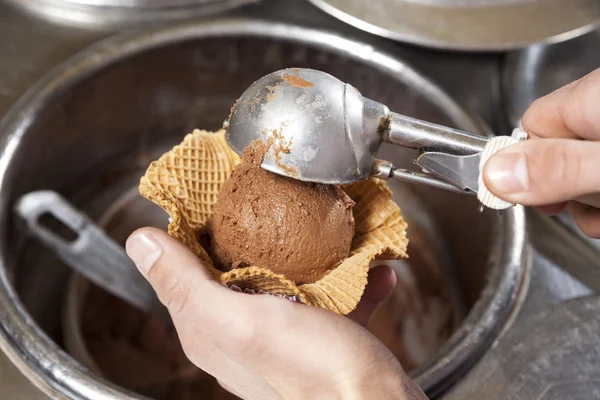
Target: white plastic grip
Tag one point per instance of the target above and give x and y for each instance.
(496, 144)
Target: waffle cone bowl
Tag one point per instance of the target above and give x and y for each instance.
(185, 182)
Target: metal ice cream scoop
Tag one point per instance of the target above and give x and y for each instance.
(321, 129)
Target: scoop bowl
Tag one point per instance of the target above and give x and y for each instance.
(319, 128)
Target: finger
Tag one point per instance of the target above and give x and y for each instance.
(540, 172)
(545, 117)
(587, 218)
(199, 306)
(206, 314)
(196, 301)
(553, 209)
(381, 282)
(569, 112)
(208, 317)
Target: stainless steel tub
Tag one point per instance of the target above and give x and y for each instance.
(92, 125)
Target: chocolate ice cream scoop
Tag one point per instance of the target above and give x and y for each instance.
(298, 229)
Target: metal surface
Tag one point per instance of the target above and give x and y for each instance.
(552, 356)
(423, 135)
(564, 268)
(320, 129)
(469, 25)
(121, 13)
(201, 69)
(385, 170)
(579, 258)
(137, 4)
(31, 46)
(92, 252)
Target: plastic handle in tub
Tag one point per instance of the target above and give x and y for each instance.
(92, 253)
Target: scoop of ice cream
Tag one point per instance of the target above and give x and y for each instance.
(299, 229)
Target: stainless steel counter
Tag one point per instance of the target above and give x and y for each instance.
(30, 46)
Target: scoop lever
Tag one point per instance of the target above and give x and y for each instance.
(460, 171)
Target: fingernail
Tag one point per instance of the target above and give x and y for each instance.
(507, 173)
(144, 251)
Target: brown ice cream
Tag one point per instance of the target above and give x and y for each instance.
(298, 229)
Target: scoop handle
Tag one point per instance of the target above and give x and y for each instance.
(414, 133)
(386, 170)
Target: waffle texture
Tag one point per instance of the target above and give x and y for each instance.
(186, 181)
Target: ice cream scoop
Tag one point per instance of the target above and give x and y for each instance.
(330, 133)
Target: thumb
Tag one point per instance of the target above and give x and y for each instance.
(538, 172)
(206, 314)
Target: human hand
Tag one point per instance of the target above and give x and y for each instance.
(550, 173)
(262, 347)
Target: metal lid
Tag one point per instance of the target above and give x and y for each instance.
(102, 13)
(473, 25)
(139, 4)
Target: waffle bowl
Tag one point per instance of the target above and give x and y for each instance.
(185, 182)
